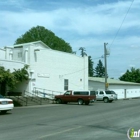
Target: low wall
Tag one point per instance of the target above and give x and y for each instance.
(9, 64)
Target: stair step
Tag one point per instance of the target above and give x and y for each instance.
(30, 101)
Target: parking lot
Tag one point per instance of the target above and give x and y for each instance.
(107, 121)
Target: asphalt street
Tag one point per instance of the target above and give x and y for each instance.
(97, 121)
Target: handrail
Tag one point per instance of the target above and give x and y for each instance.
(18, 98)
(45, 93)
(33, 95)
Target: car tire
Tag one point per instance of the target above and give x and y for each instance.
(59, 101)
(105, 100)
(80, 102)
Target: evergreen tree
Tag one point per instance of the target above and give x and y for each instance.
(90, 67)
(100, 70)
(83, 51)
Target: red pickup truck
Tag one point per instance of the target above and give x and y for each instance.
(76, 96)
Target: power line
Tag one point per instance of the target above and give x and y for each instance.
(122, 22)
(75, 71)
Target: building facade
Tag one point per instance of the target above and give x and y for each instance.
(123, 89)
(49, 70)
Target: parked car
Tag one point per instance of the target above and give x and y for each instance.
(5, 104)
(106, 96)
(76, 96)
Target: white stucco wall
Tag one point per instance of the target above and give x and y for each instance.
(93, 85)
(123, 91)
(52, 67)
(47, 68)
(2, 53)
(21, 87)
(127, 93)
(10, 64)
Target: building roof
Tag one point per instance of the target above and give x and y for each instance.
(112, 81)
(30, 43)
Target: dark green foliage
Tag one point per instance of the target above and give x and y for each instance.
(83, 51)
(6, 77)
(21, 74)
(90, 67)
(46, 36)
(100, 70)
(11, 79)
(90, 62)
(132, 75)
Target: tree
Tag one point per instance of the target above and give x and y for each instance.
(11, 79)
(21, 74)
(90, 67)
(100, 70)
(6, 78)
(46, 36)
(90, 62)
(132, 75)
(83, 51)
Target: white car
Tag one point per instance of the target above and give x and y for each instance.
(5, 104)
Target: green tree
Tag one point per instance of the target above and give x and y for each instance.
(6, 78)
(11, 79)
(132, 75)
(21, 74)
(46, 36)
(90, 62)
(90, 67)
(83, 51)
(100, 70)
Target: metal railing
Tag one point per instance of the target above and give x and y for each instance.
(32, 97)
(45, 93)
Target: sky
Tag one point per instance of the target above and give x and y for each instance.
(81, 23)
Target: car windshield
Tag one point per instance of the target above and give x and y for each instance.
(67, 93)
(1, 96)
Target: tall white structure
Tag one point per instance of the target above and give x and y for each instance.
(48, 69)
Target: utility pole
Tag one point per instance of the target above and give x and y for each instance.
(105, 54)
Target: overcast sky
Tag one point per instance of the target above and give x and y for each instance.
(81, 23)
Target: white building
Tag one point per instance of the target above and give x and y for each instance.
(122, 88)
(49, 70)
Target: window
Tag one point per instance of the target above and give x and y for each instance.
(68, 93)
(81, 93)
(66, 84)
(93, 92)
(110, 92)
(101, 92)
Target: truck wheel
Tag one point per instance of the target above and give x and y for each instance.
(105, 100)
(59, 101)
(80, 102)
